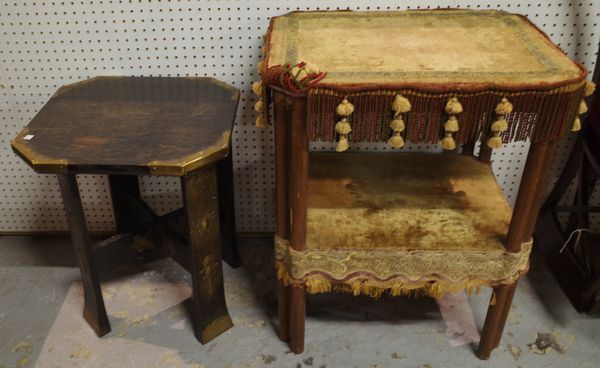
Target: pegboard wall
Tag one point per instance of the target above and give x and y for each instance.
(48, 43)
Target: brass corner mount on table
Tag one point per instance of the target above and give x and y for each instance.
(187, 164)
(38, 162)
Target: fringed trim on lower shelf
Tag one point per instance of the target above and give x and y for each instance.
(363, 282)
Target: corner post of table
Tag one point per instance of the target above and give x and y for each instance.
(201, 204)
(229, 246)
(94, 310)
(281, 104)
(525, 211)
(299, 206)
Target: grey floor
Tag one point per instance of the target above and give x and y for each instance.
(41, 323)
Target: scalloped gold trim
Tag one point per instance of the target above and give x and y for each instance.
(398, 272)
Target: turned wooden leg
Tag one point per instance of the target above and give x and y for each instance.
(519, 231)
(201, 206)
(94, 311)
(229, 246)
(297, 316)
(283, 311)
(282, 117)
(505, 310)
(299, 212)
(494, 321)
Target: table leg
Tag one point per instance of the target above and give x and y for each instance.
(299, 209)
(200, 201)
(281, 104)
(94, 311)
(520, 229)
(229, 246)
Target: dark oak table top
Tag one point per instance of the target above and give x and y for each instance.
(131, 125)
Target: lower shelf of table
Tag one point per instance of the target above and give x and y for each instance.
(404, 201)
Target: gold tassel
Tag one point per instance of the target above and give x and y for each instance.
(453, 107)
(342, 144)
(396, 141)
(400, 105)
(261, 122)
(576, 125)
(589, 88)
(259, 106)
(259, 66)
(451, 125)
(257, 88)
(499, 125)
(495, 142)
(448, 142)
(582, 108)
(343, 128)
(503, 108)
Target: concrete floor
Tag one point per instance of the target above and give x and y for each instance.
(41, 323)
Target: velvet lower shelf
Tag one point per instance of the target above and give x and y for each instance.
(415, 220)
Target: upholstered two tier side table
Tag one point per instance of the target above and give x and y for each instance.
(123, 127)
(408, 223)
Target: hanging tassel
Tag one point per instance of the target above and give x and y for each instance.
(500, 125)
(261, 122)
(577, 122)
(400, 105)
(589, 88)
(257, 88)
(448, 143)
(259, 106)
(343, 128)
(453, 108)
(582, 108)
(576, 125)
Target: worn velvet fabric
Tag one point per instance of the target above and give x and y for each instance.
(406, 219)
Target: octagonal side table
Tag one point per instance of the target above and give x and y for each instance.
(128, 126)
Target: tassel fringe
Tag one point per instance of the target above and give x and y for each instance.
(503, 108)
(400, 106)
(453, 108)
(316, 284)
(343, 127)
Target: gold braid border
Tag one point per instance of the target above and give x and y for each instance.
(398, 272)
